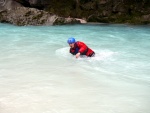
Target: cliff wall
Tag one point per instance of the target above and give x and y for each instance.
(104, 11)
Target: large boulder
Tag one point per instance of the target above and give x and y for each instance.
(31, 16)
(8, 5)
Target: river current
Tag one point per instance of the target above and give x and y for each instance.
(39, 75)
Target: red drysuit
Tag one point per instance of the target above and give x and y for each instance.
(82, 48)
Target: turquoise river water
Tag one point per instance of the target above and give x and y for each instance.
(39, 75)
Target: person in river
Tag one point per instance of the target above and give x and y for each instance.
(78, 48)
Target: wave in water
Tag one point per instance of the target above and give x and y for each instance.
(99, 56)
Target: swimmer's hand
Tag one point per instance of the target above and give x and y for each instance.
(77, 55)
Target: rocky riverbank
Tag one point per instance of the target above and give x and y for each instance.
(56, 12)
(30, 16)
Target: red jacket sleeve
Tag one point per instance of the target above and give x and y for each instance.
(82, 47)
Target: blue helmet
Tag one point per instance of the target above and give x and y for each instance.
(71, 40)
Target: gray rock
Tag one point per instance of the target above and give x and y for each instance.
(8, 5)
(146, 18)
(61, 21)
(30, 16)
